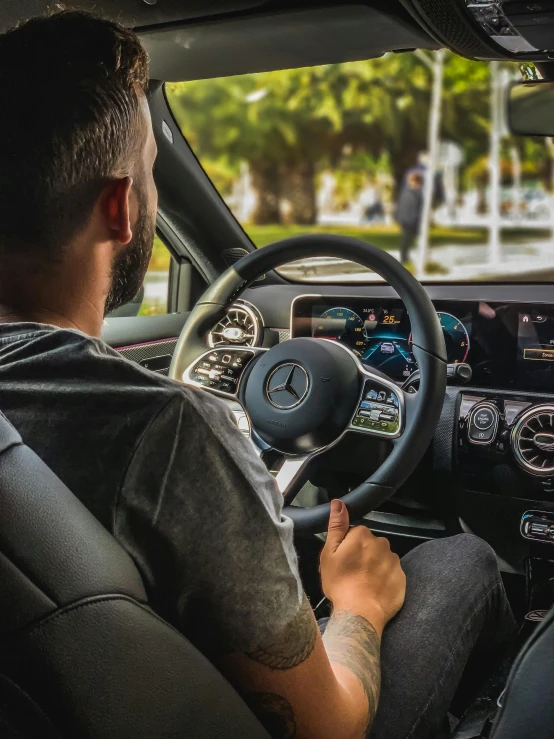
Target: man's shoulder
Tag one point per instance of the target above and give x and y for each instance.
(127, 376)
(62, 356)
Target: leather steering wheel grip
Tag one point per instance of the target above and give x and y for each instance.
(428, 347)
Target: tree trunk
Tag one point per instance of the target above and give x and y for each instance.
(265, 181)
(298, 191)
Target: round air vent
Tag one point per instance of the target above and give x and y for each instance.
(240, 326)
(533, 440)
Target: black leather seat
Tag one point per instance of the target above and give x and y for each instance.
(81, 653)
(82, 656)
(528, 701)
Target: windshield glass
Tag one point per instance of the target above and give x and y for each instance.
(410, 152)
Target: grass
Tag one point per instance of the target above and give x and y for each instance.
(388, 237)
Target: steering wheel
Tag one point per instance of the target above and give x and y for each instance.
(303, 395)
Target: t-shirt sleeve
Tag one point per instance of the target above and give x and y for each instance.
(202, 518)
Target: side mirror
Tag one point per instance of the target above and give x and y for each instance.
(531, 108)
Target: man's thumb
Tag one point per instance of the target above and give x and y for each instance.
(339, 523)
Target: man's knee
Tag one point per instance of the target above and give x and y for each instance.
(463, 560)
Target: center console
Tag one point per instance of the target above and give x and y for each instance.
(493, 455)
(506, 444)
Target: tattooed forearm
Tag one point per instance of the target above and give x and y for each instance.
(291, 647)
(351, 641)
(274, 713)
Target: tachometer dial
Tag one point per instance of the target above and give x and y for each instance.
(456, 338)
(341, 324)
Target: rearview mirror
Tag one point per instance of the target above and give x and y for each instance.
(531, 108)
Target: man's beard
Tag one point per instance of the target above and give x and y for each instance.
(130, 267)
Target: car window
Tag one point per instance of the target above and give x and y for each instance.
(361, 149)
(156, 282)
(153, 297)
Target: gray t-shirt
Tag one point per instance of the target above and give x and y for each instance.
(165, 469)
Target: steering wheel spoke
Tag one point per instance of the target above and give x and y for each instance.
(292, 475)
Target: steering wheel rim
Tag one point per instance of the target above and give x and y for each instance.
(423, 410)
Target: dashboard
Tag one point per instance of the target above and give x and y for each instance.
(508, 345)
(492, 458)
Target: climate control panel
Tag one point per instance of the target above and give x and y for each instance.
(505, 444)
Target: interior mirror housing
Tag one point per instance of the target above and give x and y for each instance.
(531, 108)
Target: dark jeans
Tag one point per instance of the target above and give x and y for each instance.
(408, 237)
(455, 607)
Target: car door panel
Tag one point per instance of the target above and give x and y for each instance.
(148, 340)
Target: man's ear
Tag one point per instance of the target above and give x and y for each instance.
(118, 210)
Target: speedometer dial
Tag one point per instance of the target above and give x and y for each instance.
(456, 338)
(341, 324)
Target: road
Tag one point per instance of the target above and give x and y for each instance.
(524, 261)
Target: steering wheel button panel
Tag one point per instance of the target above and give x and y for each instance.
(219, 370)
(377, 410)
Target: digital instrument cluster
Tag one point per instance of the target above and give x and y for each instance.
(508, 345)
(377, 332)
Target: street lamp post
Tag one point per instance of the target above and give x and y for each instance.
(497, 97)
(436, 64)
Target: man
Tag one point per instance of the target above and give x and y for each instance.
(408, 213)
(161, 465)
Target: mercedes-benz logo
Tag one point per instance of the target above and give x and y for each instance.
(287, 386)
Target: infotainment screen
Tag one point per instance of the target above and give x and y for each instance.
(535, 349)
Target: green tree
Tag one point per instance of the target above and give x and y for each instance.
(290, 124)
(281, 123)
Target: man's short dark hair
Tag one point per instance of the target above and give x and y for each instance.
(69, 87)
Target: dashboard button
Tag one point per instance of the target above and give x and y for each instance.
(483, 423)
(484, 418)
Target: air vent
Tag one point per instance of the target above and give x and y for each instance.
(533, 440)
(241, 326)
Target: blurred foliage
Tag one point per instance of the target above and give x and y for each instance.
(161, 258)
(355, 118)
(159, 262)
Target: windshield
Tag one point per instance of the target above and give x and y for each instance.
(410, 152)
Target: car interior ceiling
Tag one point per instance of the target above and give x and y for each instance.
(477, 475)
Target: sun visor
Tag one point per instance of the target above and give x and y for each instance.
(283, 40)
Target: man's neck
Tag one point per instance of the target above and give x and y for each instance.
(91, 325)
(69, 294)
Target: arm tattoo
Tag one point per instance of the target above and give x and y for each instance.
(274, 713)
(292, 646)
(351, 641)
